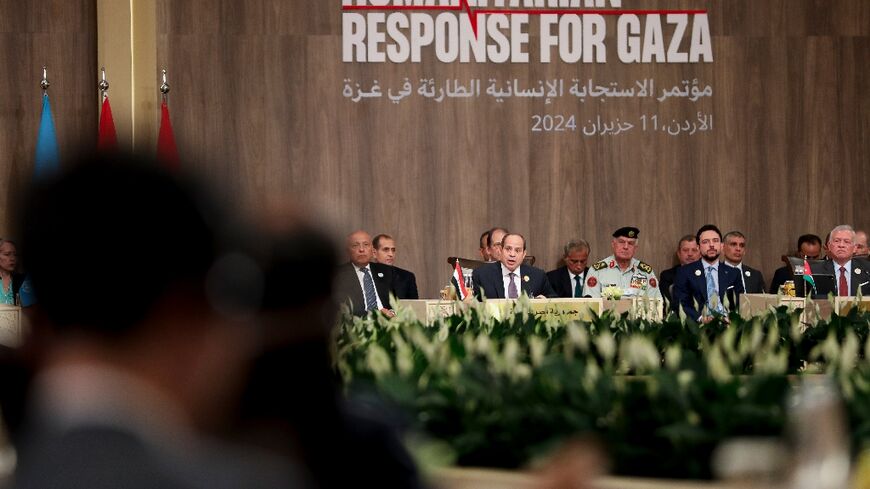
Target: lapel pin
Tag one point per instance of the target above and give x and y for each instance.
(525, 278)
(857, 271)
(747, 273)
(697, 273)
(380, 275)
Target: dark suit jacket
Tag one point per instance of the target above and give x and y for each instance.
(780, 276)
(560, 281)
(666, 280)
(404, 284)
(488, 281)
(831, 268)
(349, 288)
(754, 281)
(690, 287)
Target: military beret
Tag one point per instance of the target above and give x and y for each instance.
(626, 232)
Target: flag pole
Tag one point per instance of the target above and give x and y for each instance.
(44, 83)
(104, 84)
(164, 87)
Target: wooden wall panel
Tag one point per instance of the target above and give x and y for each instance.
(257, 95)
(60, 34)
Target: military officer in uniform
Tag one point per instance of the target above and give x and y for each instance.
(623, 270)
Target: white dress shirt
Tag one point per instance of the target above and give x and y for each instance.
(505, 275)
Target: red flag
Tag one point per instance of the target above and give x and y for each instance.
(108, 139)
(167, 152)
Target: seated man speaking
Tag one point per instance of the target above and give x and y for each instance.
(507, 278)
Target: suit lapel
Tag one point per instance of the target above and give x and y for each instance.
(566, 279)
(358, 300)
(857, 278)
(700, 280)
(523, 284)
(725, 278)
(499, 282)
(381, 277)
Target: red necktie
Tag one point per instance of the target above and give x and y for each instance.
(844, 286)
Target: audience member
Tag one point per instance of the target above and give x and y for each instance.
(509, 278)
(707, 282)
(131, 360)
(292, 404)
(366, 285)
(687, 252)
(734, 248)
(568, 280)
(404, 284)
(622, 269)
(809, 246)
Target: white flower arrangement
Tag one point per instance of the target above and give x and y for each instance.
(611, 292)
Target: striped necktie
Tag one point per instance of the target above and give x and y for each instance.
(369, 290)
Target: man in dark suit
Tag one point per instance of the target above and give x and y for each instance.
(809, 246)
(687, 252)
(509, 278)
(568, 280)
(734, 248)
(850, 274)
(484, 246)
(366, 285)
(404, 284)
(707, 282)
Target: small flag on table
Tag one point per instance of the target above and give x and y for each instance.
(808, 274)
(458, 281)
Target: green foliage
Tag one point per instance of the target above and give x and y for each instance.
(502, 391)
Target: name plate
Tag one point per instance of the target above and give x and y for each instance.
(560, 310)
(845, 304)
(430, 310)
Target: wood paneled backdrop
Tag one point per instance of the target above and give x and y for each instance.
(59, 34)
(257, 94)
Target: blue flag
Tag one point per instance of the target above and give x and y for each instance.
(47, 159)
(47, 162)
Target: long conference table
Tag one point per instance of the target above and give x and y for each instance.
(12, 323)
(429, 310)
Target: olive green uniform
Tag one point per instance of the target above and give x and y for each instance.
(638, 280)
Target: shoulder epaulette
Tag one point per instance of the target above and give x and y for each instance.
(643, 266)
(600, 265)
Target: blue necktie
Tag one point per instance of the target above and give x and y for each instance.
(512, 287)
(578, 288)
(712, 294)
(369, 290)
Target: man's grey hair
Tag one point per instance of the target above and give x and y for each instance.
(574, 245)
(842, 227)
